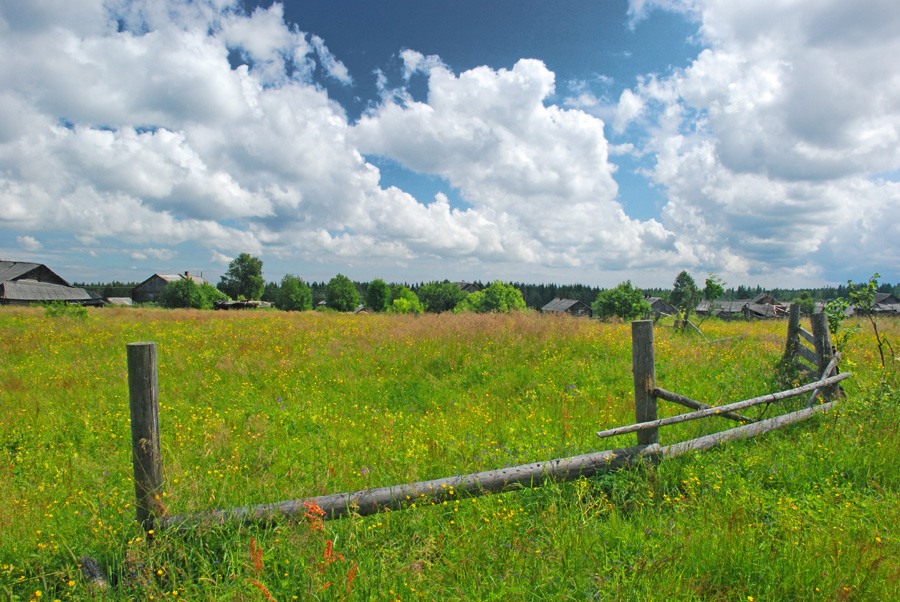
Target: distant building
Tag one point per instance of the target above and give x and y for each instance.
(762, 305)
(572, 307)
(660, 306)
(23, 283)
(148, 291)
(468, 287)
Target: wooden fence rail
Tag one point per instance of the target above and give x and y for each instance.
(144, 405)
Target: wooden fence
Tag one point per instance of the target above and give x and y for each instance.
(148, 473)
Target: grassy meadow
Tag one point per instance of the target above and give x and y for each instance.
(268, 406)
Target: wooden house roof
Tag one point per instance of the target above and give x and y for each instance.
(32, 291)
(11, 271)
(886, 298)
(567, 306)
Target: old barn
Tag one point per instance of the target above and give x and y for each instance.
(23, 283)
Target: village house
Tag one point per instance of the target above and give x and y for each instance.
(762, 305)
(572, 307)
(148, 291)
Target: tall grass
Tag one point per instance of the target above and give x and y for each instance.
(264, 407)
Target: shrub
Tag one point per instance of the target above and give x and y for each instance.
(624, 302)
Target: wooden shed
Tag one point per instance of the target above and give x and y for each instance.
(568, 306)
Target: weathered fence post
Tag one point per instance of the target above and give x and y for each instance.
(824, 350)
(793, 336)
(143, 393)
(642, 364)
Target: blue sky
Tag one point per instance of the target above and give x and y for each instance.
(579, 141)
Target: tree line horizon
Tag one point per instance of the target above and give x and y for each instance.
(244, 279)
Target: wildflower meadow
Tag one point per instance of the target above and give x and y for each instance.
(268, 406)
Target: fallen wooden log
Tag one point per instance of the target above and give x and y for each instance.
(371, 501)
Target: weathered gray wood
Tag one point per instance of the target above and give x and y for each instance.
(696, 405)
(793, 334)
(805, 369)
(741, 432)
(832, 367)
(644, 368)
(738, 405)
(807, 354)
(370, 501)
(143, 393)
(824, 350)
(808, 336)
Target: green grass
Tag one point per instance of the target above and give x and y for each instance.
(264, 407)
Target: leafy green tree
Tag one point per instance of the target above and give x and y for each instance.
(342, 294)
(438, 297)
(182, 293)
(624, 302)
(209, 295)
(497, 297)
(807, 304)
(685, 296)
(243, 280)
(862, 296)
(406, 302)
(714, 288)
(293, 294)
(378, 295)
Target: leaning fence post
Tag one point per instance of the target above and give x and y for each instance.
(644, 369)
(824, 350)
(143, 394)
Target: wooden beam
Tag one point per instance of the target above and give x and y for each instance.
(696, 405)
(739, 405)
(741, 432)
(807, 354)
(371, 501)
(808, 336)
(805, 369)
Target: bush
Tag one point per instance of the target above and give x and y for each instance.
(61, 309)
(406, 302)
(624, 302)
(183, 293)
(497, 297)
(438, 297)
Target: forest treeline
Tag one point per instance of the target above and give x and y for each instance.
(535, 295)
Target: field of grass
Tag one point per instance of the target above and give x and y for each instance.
(270, 406)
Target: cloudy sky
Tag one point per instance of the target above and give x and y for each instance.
(586, 141)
